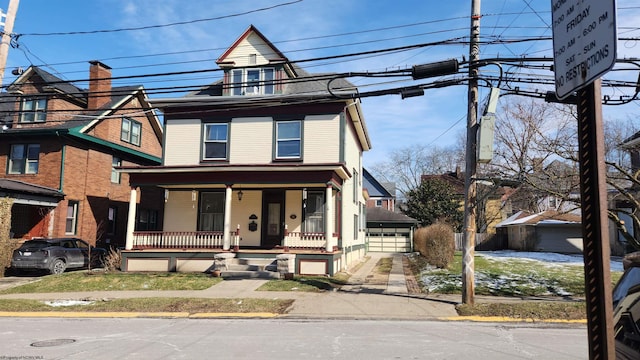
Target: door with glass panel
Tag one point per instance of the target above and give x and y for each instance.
(272, 218)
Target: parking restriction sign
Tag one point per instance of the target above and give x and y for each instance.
(584, 42)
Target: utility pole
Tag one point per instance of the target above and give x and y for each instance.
(468, 250)
(6, 36)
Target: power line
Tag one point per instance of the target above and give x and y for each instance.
(163, 25)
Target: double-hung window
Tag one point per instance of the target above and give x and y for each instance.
(24, 159)
(71, 222)
(314, 212)
(115, 175)
(111, 220)
(288, 140)
(215, 144)
(253, 81)
(33, 110)
(211, 211)
(130, 131)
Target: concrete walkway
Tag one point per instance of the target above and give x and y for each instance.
(359, 299)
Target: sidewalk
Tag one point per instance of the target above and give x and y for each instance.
(360, 299)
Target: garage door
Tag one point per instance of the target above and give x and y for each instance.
(389, 240)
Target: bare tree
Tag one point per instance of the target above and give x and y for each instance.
(405, 165)
(536, 145)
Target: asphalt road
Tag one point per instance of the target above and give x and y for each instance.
(48, 338)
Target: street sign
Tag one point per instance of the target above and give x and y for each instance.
(584, 42)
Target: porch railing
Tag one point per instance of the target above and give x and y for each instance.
(183, 239)
(305, 240)
(215, 240)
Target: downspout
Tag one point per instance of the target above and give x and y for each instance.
(63, 156)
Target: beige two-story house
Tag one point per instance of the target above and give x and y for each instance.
(265, 161)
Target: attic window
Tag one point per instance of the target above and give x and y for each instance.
(254, 81)
(130, 131)
(33, 110)
(252, 59)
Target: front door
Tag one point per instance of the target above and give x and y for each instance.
(273, 218)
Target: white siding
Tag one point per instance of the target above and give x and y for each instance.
(180, 213)
(321, 139)
(182, 142)
(251, 141)
(293, 206)
(253, 44)
(241, 210)
(351, 206)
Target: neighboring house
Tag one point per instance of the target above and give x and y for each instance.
(549, 231)
(493, 205)
(379, 196)
(264, 162)
(59, 145)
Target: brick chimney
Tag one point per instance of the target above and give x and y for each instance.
(99, 85)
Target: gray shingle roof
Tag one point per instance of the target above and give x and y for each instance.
(15, 186)
(381, 215)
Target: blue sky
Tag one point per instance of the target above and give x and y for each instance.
(301, 30)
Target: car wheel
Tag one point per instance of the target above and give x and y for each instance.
(58, 266)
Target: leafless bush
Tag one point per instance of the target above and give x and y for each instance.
(112, 260)
(6, 252)
(436, 244)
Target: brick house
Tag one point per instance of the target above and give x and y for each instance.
(59, 145)
(264, 162)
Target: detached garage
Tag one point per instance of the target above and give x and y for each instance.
(548, 231)
(389, 232)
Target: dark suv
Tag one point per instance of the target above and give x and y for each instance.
(626, 313)
(56, 255)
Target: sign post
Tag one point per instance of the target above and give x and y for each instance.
(584, 48)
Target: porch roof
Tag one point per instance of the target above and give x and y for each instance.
(30, 194)
(237, 174)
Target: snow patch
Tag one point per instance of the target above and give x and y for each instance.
(57, 303)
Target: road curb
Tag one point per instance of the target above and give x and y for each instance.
(508, 319)
(164, 315)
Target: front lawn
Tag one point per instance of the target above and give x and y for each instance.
(115, 281)
(189, 305)
(519, 277)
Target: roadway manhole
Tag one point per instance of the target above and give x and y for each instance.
(54, 342)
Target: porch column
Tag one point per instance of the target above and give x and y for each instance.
(328, 217)
(131, 219)
(226, 240)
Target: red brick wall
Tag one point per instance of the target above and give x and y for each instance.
(109, 129)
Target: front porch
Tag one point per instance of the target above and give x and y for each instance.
(268, 211)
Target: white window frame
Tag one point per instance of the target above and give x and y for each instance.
(131, 131)
(28, 163)
(115, 175)
(212, 141)
(279, 140)
(314, 221)
(33, 110)
(264, 85)
(71, 221)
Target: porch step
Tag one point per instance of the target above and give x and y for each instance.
(249, 274)
(252, 264)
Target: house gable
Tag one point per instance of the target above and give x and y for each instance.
(250, 42)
